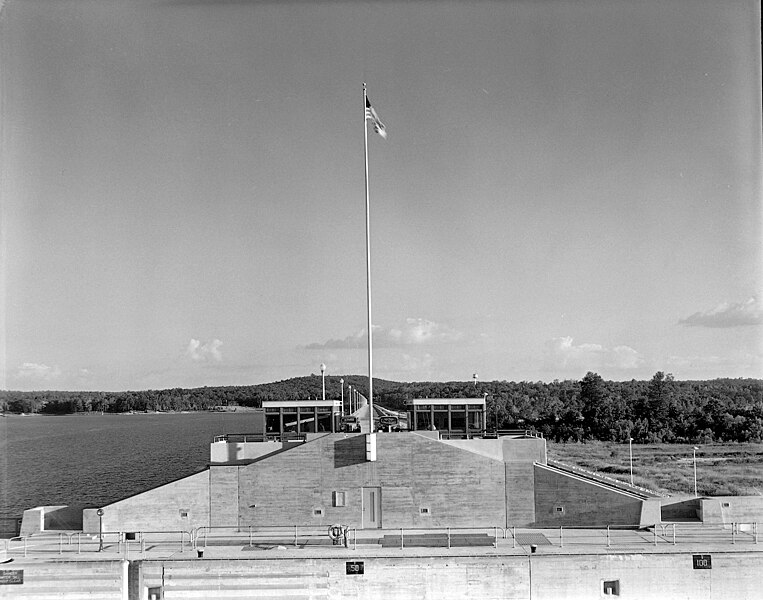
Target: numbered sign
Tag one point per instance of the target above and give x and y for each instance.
(702, 561)
(355, 567)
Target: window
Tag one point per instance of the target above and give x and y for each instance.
(610, 588)
(458, 420)
(340, 498)
(306, 420)
(423, 421)
(155, 593)
(441, 420)
(273, 423)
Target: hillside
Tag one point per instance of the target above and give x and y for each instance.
(659, 410)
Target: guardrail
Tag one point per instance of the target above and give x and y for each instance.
(167, 543)
(109, 541)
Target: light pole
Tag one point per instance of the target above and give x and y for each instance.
(475, 379)
(694, 452)
(99, 512)
(349, 400)
(630, 452)
(323, 379)
(341, 381)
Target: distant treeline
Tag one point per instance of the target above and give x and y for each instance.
(659, 410)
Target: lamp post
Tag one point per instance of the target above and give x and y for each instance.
(630, 453)
(99, 512)
(341, 381)
(694, 453)
(349, 400)
(323, 379)
(475, 379)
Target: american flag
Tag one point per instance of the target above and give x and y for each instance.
(378, 125)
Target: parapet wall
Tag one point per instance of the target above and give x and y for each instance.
(345, 574)
(538, 576)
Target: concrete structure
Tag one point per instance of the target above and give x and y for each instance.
(430, 516)
(381, 480)
(235, 572)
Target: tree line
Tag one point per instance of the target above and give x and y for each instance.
(659, 410)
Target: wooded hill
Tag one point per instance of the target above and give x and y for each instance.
(659, 410)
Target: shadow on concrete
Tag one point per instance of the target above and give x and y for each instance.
(685, 510)
(350, 451)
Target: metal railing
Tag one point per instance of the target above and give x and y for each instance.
(310, 536)
(109, 541)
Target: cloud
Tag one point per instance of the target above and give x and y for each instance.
(37, 372)
(727, 315)
(562, 354)
(199, 352)
(414, 332)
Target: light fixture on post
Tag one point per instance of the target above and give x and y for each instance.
(99, 512)
(341, 382)
(694, 453)
(323, 379)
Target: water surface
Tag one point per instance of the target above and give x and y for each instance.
(94, 459)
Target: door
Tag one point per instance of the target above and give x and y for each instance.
(371, 508)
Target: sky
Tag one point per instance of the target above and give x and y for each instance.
(566, 186)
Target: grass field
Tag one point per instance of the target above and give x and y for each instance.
(722, 469)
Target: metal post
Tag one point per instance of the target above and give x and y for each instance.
(495, 537)
(368, 269)
(79, 548)
(250, 536)
(60, 543)
(448, 538)
(99, 512)
(561, 537)
(401, 538)
(733, 528)
(695, 470)
(674, 534)
(655, 534)
(630, 452)
(295, 536)
(607, 536)
(323, 380)
(354, 539)
(513, 537)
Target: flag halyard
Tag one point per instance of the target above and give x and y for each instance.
(375, 120)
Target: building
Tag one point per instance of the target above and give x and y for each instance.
(301, 469)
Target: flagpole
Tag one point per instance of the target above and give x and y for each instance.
(368, 270)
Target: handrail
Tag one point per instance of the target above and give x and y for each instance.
(301, 536)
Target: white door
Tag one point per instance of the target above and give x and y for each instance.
(371, 508)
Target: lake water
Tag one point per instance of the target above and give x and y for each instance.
(91, 460)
